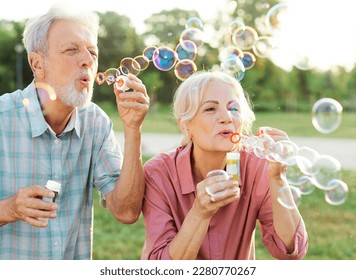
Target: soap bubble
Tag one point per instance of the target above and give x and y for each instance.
(111, 74)
(143, 62)
(194, 22)
(218, 172)
(327, 168)
(229, 51)
(237, 28)
(186, 50)
(284, 151)
(129, 65)
(247, 39)
(337, 192)
(184, 68)
(289, 197)
(148, 52)
(248, 60)
(234, 67)
(305, 185)
(326, 115)
(275, 17)
(306, 157)
(192, 34)
(263, 47)
(164, 58)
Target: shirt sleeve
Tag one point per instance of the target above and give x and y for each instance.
(158, 217)
(107, 157)
(269, 236)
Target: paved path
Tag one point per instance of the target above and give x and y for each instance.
(343, 150)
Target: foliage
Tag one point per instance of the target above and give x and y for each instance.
(270, 87)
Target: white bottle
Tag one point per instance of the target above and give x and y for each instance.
(56, 188)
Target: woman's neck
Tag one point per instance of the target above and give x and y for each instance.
(204, 162)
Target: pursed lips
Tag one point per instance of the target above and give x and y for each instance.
(225, 133)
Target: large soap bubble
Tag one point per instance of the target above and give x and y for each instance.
(326, 115)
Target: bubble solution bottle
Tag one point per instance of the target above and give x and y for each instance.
(233, 165)
(56, 188)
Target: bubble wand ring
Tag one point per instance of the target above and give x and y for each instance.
(233, 136)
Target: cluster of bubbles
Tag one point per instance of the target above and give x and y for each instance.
(307, 169)
(163, 58)
(236, 58)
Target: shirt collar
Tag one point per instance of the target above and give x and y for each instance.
(184, 169)
(37, 120)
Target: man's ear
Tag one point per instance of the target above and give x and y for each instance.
(36, 62)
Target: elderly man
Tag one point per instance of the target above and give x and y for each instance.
(52, 131)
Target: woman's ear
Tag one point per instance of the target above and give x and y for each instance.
(182, 126)
(36, 62)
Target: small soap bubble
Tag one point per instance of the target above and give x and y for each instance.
(143, 61)
(230, 51)
(164, 58)
(195, 23)
(289, 197)
(218, 172)
(326, 115)
(237, 28)
(184, 68)
(337, 192)
(276, 17)
(148, 52)
(305, 185)
(306, 158)
(111, 74)
(327, 168)
(248, 60)
(263, 47)
(192, 34)
(186, 50)
(26, 102)
(100, 78)
(129, 65)
(234, 67)
(284, 151)
(247, 39)
(45, 91)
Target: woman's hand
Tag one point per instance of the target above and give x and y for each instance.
(214, 193)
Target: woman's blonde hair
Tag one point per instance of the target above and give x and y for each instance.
(189, 94)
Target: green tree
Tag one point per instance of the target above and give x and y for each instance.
(10, 36)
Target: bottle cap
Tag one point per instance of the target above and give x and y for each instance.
(53, 186)
(232, 155)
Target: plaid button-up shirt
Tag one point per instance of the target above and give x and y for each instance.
(84, 156)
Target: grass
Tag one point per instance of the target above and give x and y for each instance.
(331, 229)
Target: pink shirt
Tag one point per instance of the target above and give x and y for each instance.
(170, 193)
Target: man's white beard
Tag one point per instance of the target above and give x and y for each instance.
(70, 96)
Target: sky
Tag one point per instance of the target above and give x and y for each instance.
(136, 10)
(322, 31)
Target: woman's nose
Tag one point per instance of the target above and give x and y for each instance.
(225, 116)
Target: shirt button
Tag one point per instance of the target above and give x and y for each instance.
(56, 243)
(56, 177)
(56, 141)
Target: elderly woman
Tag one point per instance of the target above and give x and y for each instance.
(188, 215)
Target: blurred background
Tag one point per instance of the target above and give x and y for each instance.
(294, 54)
